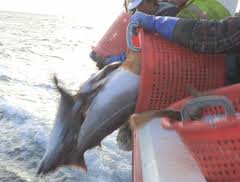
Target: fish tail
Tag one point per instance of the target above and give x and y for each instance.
(81, 163)
(42, 169)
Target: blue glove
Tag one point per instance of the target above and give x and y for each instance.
(120, 57)
(110, 59)
(163, 25)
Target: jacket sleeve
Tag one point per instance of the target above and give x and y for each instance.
(208, 36)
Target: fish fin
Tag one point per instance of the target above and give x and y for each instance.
(40, 170)
(171, 114)
(62, 91)
(194, 92)
(44, 168)
(98, 79)
(83, 165)
(105, 72)
(124, 137)
(138, 119)
(98, 84)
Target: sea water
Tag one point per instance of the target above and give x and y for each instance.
(32, 48)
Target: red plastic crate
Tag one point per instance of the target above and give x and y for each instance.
(113, 41)
(215, 146)
(166, 71)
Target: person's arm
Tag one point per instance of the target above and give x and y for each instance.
(178, 3)
(208, 36)
(164, 25)
(198, 35)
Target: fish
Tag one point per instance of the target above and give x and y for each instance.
(61, 149)
(124, 137)
(111, 107)
(104, 102)
(121, 91)
(137, 120)
(193, 92)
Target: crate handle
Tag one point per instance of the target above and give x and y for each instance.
(194, 104)
(130, 30)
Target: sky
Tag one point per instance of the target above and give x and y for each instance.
(80, 8)
(85, 10)
(58, 6)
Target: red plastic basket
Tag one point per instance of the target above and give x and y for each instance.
(113, 41)
(215, 146)
(166, 71)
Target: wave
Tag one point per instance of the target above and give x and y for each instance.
(28, 97)
(5, 78)
(6, 175)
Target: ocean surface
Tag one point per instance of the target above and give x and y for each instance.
(32, 48)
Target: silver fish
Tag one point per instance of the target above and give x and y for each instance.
(112, 106)
(124, 137)
(69, 118)
(102, 105)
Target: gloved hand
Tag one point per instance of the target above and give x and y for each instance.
(163, 25)
(120, 57)
(110, 59)
(139, 19)
(95, 57)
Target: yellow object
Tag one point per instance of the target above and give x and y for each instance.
(205, 9)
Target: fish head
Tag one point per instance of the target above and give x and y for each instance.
(61, 148)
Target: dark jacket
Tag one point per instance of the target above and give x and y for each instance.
(166, 9)
(209, 36)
